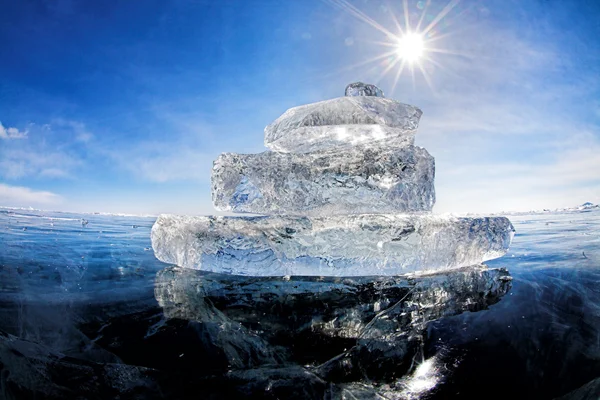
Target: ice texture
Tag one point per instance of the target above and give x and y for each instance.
(366, 179)
(363, 89)
(339, 329)
(343, 122)
(348, 245)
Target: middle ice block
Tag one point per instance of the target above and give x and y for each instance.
(361, 180)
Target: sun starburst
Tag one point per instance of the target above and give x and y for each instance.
(411, 47)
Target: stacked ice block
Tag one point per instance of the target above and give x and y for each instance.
(344, 192)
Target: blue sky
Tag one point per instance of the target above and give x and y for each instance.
(122, 106)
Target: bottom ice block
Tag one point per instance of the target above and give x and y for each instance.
(348, 245)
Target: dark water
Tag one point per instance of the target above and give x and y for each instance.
(88, 312)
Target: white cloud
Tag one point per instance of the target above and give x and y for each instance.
(176, 163)
(184, 151)
(179, 159)
(36, 161)
(77, 130)
(47, 153)
(22, 196)
(568, 179)
(11, 133)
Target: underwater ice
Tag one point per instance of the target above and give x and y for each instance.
(343, 122)
(335, 330)
(296, 303)
(346, 245)
(365, 179)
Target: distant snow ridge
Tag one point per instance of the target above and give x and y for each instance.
(587, 206)
(344, 192)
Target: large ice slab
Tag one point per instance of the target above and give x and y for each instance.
(343, 122)
(367, 179)
(348, 245)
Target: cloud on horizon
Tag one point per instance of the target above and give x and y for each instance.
(19, 196)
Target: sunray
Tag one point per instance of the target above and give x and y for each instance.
(386, 44)
(412, 74)
(387, 69)
(360, 64)
(398, 76)
(422, 15)
(454, 53)
(450, 22)
(442, 67)
(396, 22)
(406, 16)
(426, 76)
(344, 5)
(370, 60)
(441, 15)
(452, 33)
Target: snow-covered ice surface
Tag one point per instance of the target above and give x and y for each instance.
(344, 245)
(364, 179)
(86, 311)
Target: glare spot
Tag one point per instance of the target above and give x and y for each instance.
(386, 182)
(410, 47)
(342, 133)
(378, 132)
(425, 378)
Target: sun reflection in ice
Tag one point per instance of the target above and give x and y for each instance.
(342, 133)
(425, 378)
(378, 132)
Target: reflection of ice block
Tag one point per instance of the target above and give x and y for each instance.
(343, 122)
(347, 328)
(298, 303)
(348, 245)
(365, 180)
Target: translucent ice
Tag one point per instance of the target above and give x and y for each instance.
(343, 122)
(293, 304)
(362, 180)
(347, 329)
(363, 89)
(347, 245)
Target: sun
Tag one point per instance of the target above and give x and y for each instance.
(410, 47)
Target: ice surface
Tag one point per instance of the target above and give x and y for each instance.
(362, 180)
(29, 370)
(363, 89)
(348, 245)
(343, 122)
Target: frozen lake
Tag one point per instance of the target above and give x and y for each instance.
(86, 311)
